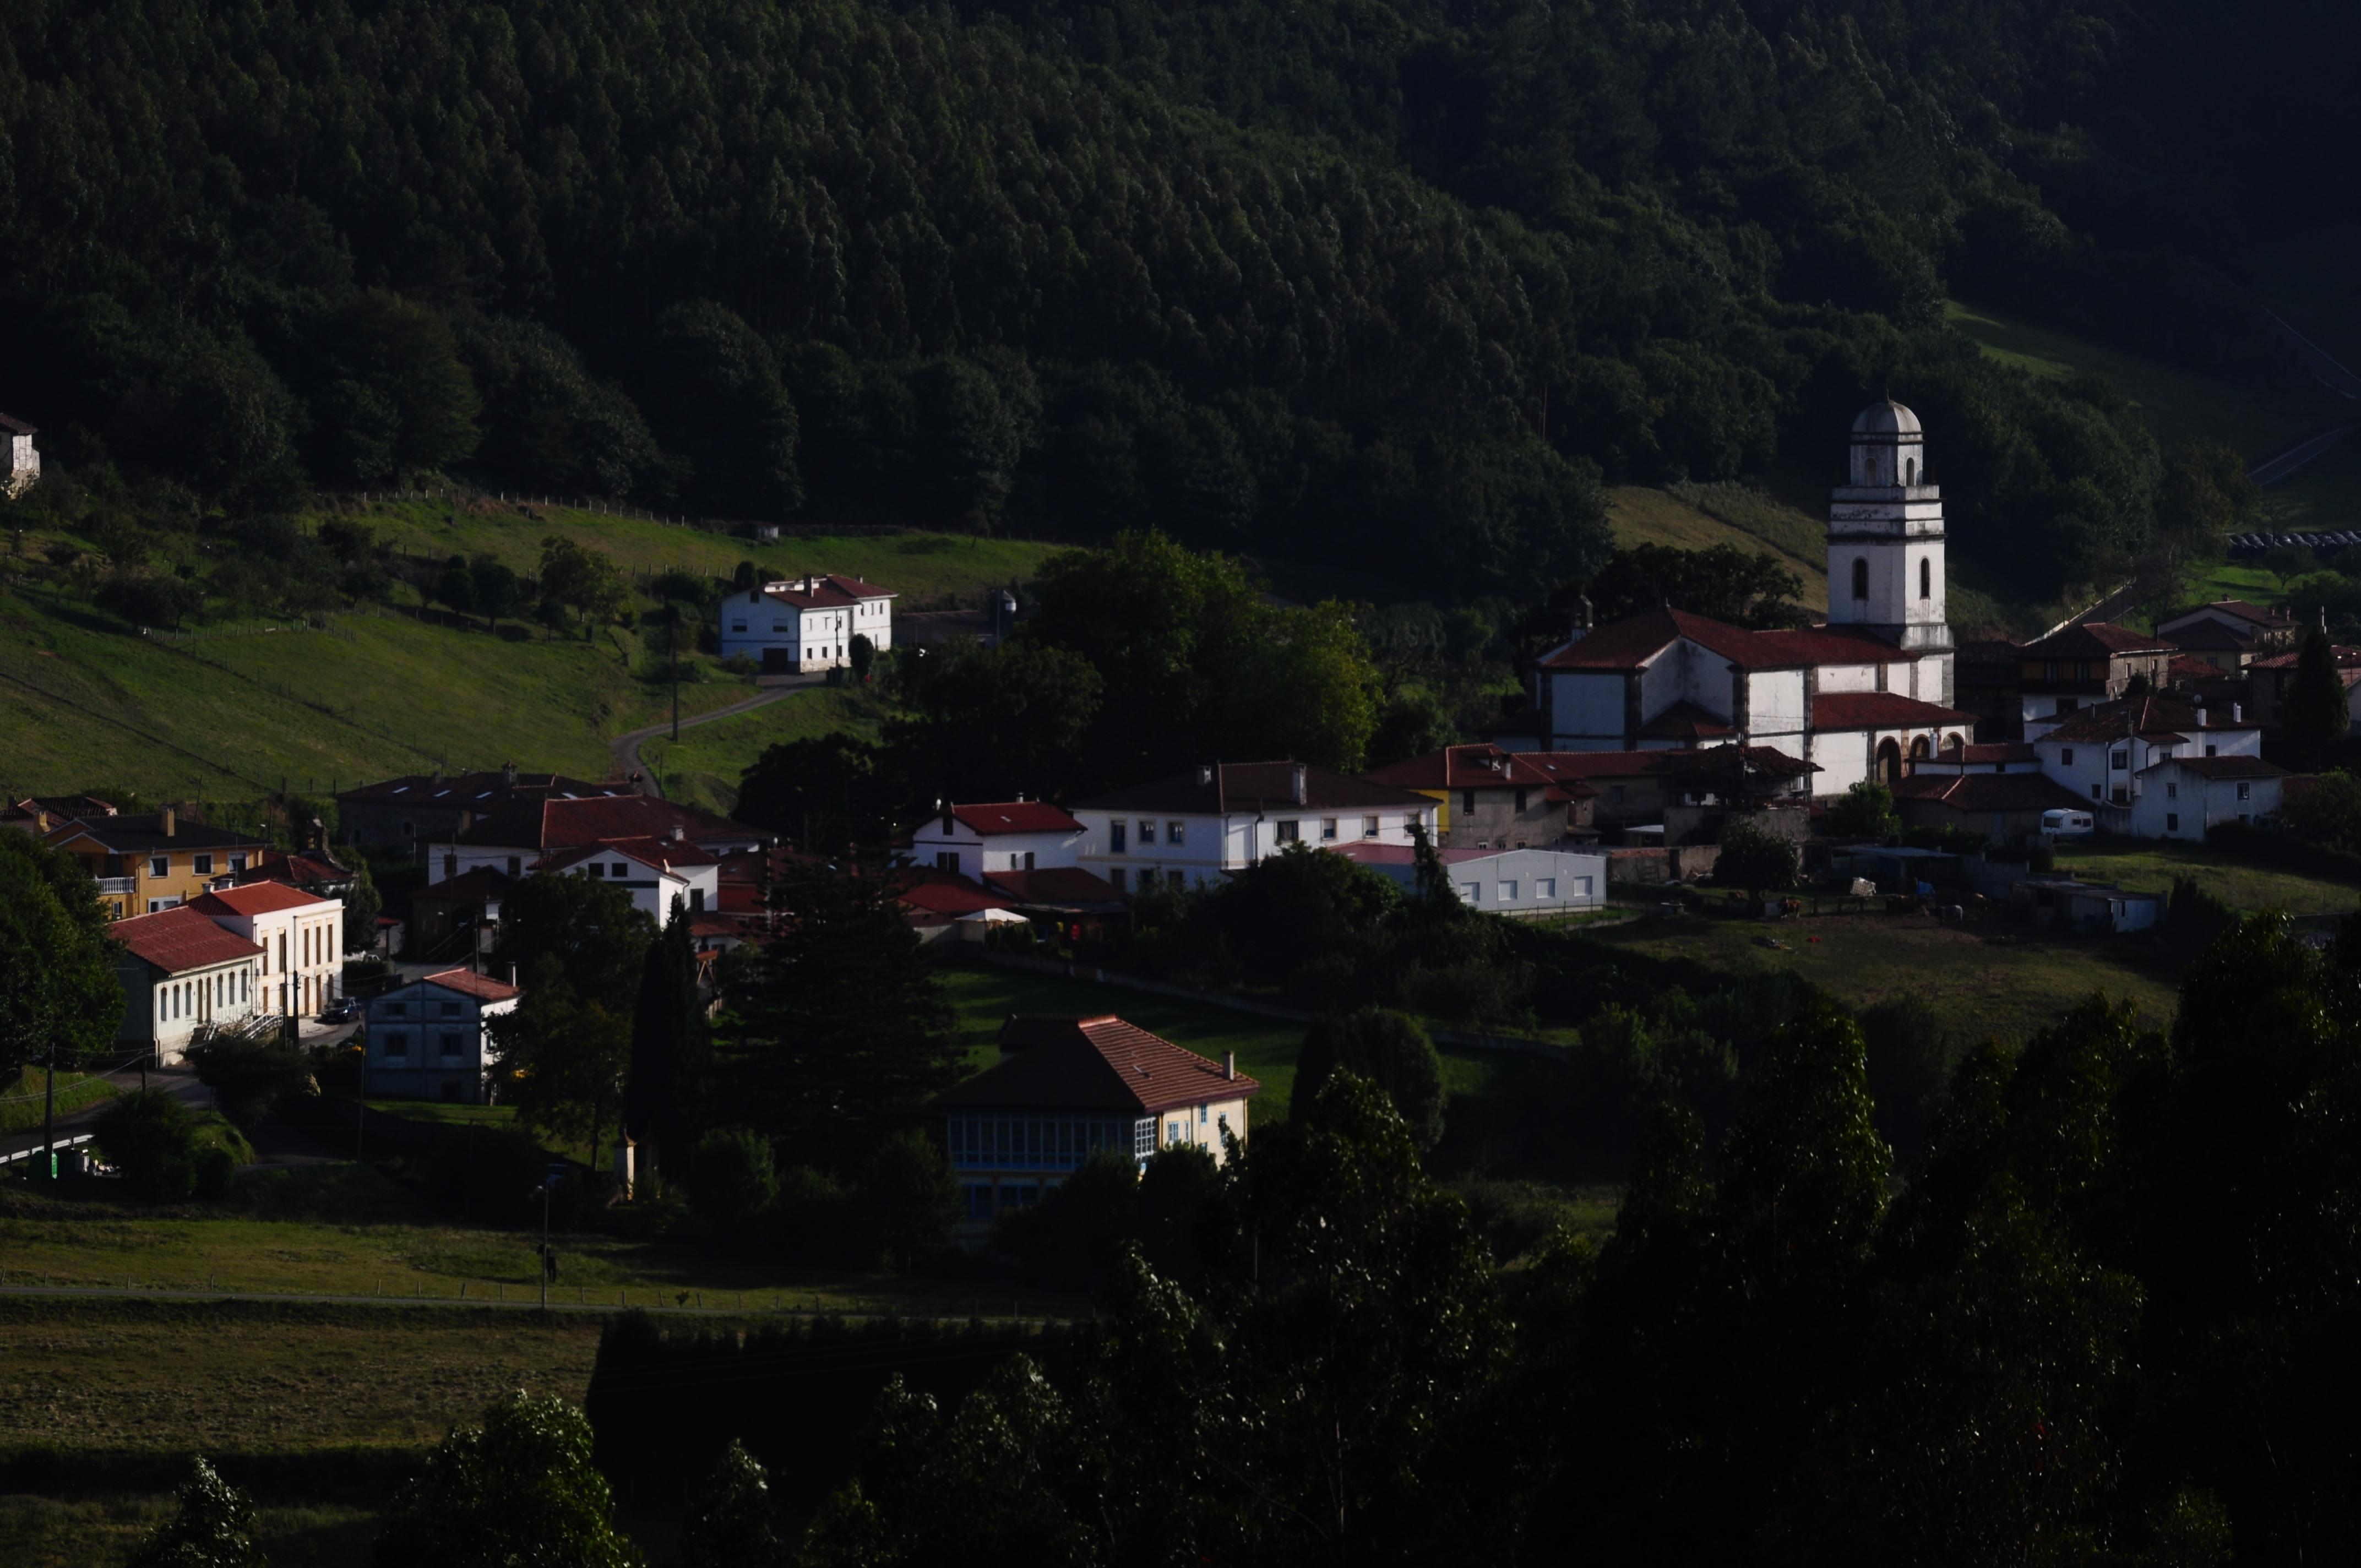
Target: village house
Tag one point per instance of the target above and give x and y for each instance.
(2269, 679)
(662, 875)
(2078, 666)
(1528, 884)
(144, 863)
(1002, 836)
(426, 1040)
(424, 808)
(515, 840)
(1194, 826)
(2253, 630)
(2180, 797)
(24, 460)
(1065, 1089)
(1487, 795)
(806, 623)
(2099, 752)
(301, 935)
(1856, 698)
(180, 972)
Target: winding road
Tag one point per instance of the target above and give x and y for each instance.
(627, 746)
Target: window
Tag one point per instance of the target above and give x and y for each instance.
(1146, 878)
(2094, 792)
(1473, 892)
(618, 870)
(1614, 794)
(1116, 836)
(1291, 831)
(237, 861)
(778, 626)
(1582, 887)
(1174, 833)
(2172, 822)
(1172, 1131)
(1327, 830)
(595, 868)
(1910, 477)
(2118, 761)
(1203, 1112)
(1369, 826)
(163, 1005)
(396, 1043)
(1508, 893)
(159, 865)
(979, 1199)
(1926, 579)
(1114, 878)
(1468, 802)
(1143, 1137)
(696, 900)
(396, 1009)
(1861, 577)
(454, 1045)
(516, 865)
(1146, 832)
(450, 1010)
(2245, 789)
(1019, 1195)
(204, 865)
(946, 860)
(737, 625)
(1545, 887)
(1028, 860)
(2212, 750)
(2066, 756)
(1521, 800)
(2172, 792)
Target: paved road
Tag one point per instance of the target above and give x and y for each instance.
(627, 746)
(180, 1080)
(2318, 360)
(2271, 470)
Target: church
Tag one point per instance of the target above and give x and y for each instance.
(1855, 699)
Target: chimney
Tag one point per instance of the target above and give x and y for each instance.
(1303, 785)
(2200, 718)
(171, 822)
(947, 816)
(1229, 1064)
(511, 971)
(2237, 713)
(1204, 773)
(466, 820)
(679, 832)
(1581, 628)
(318, 845)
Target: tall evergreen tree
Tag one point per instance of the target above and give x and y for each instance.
(668, 1044)
(2317, 713)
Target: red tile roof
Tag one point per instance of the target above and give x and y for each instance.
(2142, 715)
(824, 590)
(483, 884)
(1630, 643)
(2345, 659)
(1253, 786)
(1479, 765)
(1094, 1064)
(1881, 711)
(2096, 639)
(662, 853)
(295, 870)
(467, 982)
(1990, 791)
(1014, 817)
(943, 893)
(180, 940)
(2253, 613)
(1054, 884)
(1683, 721)
(255, 898)
(2222, 767)
(564, 823)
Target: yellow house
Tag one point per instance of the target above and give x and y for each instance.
(1066, 1089)
(156, 862)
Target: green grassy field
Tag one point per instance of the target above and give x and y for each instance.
(1995, 977)
(703, 767)
(1706, 515)
(925, 569)
(22, 1103)
(2151, 867)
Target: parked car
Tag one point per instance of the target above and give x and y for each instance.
(344, 1010)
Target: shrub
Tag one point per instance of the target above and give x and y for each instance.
(1389, 1048)
(733, 1178)
(1864, 811)
(909, 1200)
(740, 665)
(216, 1167)
(1067, 1239)
(151, 1137)
(252, 1069)
(1754, 859)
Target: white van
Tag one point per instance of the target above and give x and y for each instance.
(2068, 825)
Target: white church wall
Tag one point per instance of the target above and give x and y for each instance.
(1586, 708)
(1775, 705)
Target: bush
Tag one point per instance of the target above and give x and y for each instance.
(1389, 1048)
(252, 1069)
(909, 1200)
(2194, 917)
(1864, 811)
(813, 1219)
(1755, 859)
(217, 1168)
(150, 1136)
(1067, 1241)
(733, 1178)
(742, 666)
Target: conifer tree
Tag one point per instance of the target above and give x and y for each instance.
(2318, 715)
(668, 1042)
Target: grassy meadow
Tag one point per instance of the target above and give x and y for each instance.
(703, 767)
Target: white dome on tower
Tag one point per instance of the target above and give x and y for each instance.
(1887, 418)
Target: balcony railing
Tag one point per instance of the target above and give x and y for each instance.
(116, 884)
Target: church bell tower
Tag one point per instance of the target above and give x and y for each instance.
(1886, 543)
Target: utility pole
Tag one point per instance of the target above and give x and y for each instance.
(544, 1241)
(672, 645)
(50, 1113)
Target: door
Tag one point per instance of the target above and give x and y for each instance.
(777, 662)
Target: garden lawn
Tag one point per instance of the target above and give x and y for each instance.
(703, 768)
(1995, 978)
(2149, 866)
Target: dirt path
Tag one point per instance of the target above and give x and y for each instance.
(627, 746)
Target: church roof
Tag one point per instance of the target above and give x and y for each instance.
(1880, 710)
(1630, 643)
(2097, 640)
(1887, 418)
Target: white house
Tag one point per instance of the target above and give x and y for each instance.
(1196, 826)
(806, 623)
(1004, 836)
(180, 972)
(24, 462)
(657, 872)
(2100, 754)
(426, 1039)
(1500, 882)
(301, 937)
(2182, 796)
(510, 840)
(1857, 697)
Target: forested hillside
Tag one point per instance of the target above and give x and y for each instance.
(1352, 279)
